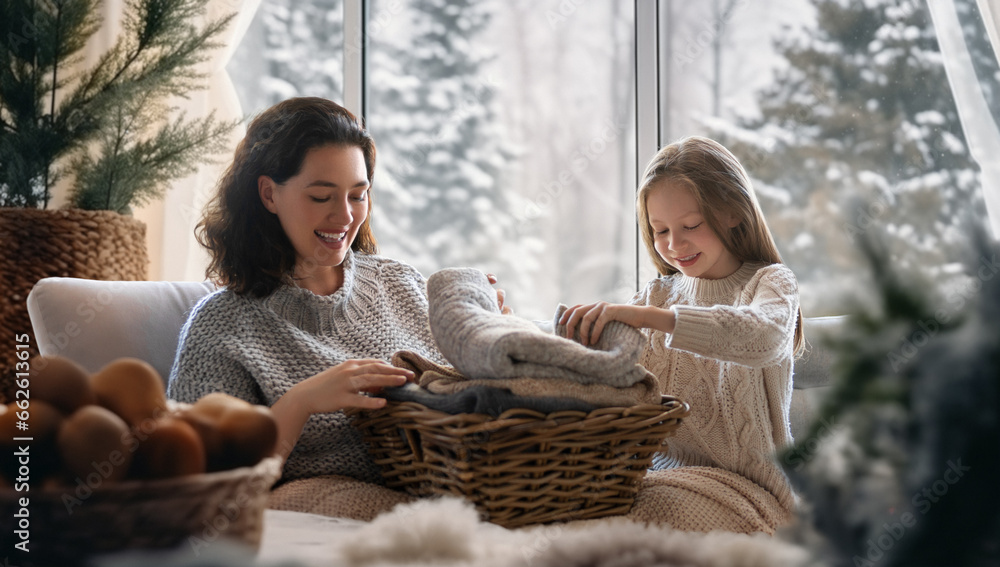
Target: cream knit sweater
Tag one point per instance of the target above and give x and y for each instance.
(730, 358)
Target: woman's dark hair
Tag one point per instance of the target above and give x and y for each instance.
(250, 252)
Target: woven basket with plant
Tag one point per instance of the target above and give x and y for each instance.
(101, 131)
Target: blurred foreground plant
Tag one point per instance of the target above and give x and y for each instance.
(909, 477)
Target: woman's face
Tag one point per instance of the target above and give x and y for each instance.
(683, 238)
(322, 207)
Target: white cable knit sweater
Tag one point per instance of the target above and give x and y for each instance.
(729, 357)
(258, 348)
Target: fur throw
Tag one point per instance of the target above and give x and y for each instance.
(448, 531)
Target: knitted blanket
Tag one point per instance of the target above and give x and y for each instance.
(488, 400)
(441, 379)
(482, 343)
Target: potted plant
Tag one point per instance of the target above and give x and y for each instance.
(101, 130)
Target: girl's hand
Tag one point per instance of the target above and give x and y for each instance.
(592, 318)
(501, 295)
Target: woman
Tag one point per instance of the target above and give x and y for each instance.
(308, 314)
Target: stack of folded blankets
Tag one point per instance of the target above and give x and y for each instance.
(502, 361)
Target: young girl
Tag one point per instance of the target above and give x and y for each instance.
(723, 325)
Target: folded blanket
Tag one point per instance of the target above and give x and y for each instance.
(338, 496)
(446, 380)
(482, 343)
(488, 400)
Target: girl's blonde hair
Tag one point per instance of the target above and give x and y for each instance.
(722, 189)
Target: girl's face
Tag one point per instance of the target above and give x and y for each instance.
(683, 238)
(321, 208)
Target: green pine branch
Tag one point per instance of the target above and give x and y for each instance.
(158, 55)
(38, 39)
(868, 373)
(131, 168)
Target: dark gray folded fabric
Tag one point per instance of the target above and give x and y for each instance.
(482, 343)
(483, 399)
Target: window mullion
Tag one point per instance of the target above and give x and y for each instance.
(355, 56)
(647, 122)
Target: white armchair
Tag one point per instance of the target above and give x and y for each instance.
(95, 322)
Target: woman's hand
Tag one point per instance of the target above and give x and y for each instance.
(501, 296)
(341, 386)
(333, 389)
(592, 318)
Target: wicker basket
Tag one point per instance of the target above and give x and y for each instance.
(67, 527)
(96, 245)
(523, 467)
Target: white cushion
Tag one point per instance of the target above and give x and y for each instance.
(94, 322)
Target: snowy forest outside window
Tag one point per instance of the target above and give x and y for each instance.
(292, 48)
(843, 116)
(506, 130)
(507, 137)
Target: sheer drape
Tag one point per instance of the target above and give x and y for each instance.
(982, 133)
(174, 254)
(990, 9)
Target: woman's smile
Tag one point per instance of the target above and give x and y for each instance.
(331, 239)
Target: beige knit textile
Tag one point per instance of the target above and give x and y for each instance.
(337, 496)
(730, 358)
(441, 379)
(703, 499)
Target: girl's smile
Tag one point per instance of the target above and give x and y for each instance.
(683, 238)
(688, 261)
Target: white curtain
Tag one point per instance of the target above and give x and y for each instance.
(990, 9)
(173, 252)
(982, 133)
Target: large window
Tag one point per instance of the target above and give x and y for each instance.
(292, 48)
(845, 119)
(507, 129)
(508, 143)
